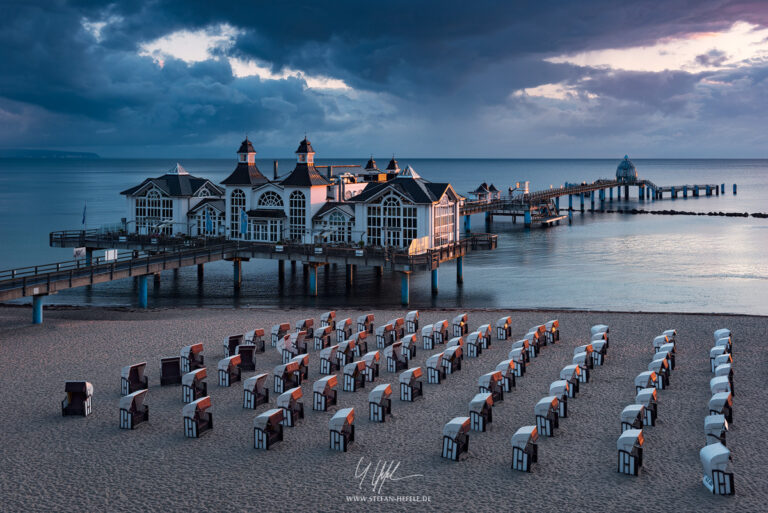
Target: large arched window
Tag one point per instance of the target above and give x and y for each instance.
(270, 199)
(236, 204)
(392, 221)
(216, 218)
(297, 215)
(154, 213)
(340, 229)
(444, 215)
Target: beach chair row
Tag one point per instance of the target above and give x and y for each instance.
(715, 456)
(492, 385)
(644, 411)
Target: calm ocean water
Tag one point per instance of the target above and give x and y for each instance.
(600, 261)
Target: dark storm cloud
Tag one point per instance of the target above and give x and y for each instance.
(445, 67)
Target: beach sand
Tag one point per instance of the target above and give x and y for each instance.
(52, 463)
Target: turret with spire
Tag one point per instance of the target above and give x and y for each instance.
(246, 172)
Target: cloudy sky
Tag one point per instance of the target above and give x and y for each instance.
(171, 78)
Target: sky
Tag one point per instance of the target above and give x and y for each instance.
(480, 79)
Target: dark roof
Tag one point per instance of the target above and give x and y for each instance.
(215, 203)
(246, 147)
(416, 190)
(392, 165)
(266, 212)
(492, 188)
(245, 174)
(483, 187)
(371, 165)
(304, 175)
(305, 146)
(330, 205)
(176, 185)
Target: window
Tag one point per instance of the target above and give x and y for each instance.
(154, 213)
(204, 193)
(374, 225)
(392, 223)
(297, 216)
(217, 221)
(237, 204)
(445, 215)
(409, 225)
(270, 199)
(340, 229)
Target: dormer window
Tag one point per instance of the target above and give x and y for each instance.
(242, 157)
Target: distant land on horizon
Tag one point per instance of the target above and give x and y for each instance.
(46, 154)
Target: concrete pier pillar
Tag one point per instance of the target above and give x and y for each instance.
(312, 268)
(717, 190)
(467, 224)
(488, 220)
(557, 203)
(434, 281)
(709, 190)
(648, 193)
(37, 309)
(734, 188)
(674, 193)
(610, 194)
(460, 270)
(379, 270)
(528, 218)
(626, 192)
(405, 293)
(581, 197)
(156, 279)
(695, 191)
(88, 256)
(640, 192)
(200, 272)
(722, 188)
(592, 200)
(281, 269)
(618, 193)
(350, 274)
(685, 191)
(602, 199)
(143, 291)
(570, 207)
(237, 273)
(293, 266)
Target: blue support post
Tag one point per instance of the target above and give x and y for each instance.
(237, 272)
(37, 309)
(709, 191)
(674, 193)
(434, 281)
(488, 220)
(528, 218)
(618, 193)
(648, 193)
(610, 194)
(592, 200)
(460, 269)
(557, 202)
(640, 192)
(602, 199)
(88, 256)
(143, 291)
(685, 191)
(405, 296)
(722, 188)
(570, 207)
(467, 224)
(734, 188)
(312, 268)
(581, 197)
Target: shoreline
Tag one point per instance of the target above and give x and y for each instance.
(130, 309)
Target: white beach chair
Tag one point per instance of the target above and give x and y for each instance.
(524, 448)
(133, 411)
(504, 328)
(268, 429)
(380, 403)
(546, 411)
(561, 389)
(633, 417)
(193, 385)
(412, 321)
(132, 378)
(354, 376)
(456, 438)
(492, 383)
(716, 460)
(255, 391)
(630, 448)
(647, 398)
(480, 411)
(293, 407)
(342, 429)
(192, 358)
(197, 420)
(507, 369)
(324, 392)
(229, 370)
(411, 386)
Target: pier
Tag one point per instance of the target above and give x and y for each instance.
(162, 254)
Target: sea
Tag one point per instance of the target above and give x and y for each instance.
(598, 261)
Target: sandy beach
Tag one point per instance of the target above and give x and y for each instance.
(88, 464)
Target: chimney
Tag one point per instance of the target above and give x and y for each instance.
(330, 172)
(274, 166)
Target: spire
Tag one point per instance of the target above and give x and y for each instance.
(177, 170)
(393, 167)
(371, 165)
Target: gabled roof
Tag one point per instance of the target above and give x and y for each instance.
(214, 203)
(482, 188)
(304, 175)
(371, 165)
(246, 147)
(492, 188)
(408, 172)
(393, 165)
(305, 146)
(344, 207)
(176, 183)
(417, 190)
(245, 174)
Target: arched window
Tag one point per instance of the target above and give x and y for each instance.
(297, 215)
(154, 213)
(444, 215)
(236, 204)
(270, 199)
(204, 193)
(392, 221)
(340, 229)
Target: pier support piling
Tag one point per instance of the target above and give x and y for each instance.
(405, 295)
(350, 274)
(618, 193)
(143, 291)
(460, 269)
(434, 281)
(640, 192)
(685, 191)
(626, 193)
(610, 194)
(581, 197)
(709, 190)
(592, 200)
(602, 199)
(695, 191)
(281, 269)
(156, 279)
(237, 273)
(37, 309)
(722, 188)
(467, 224)
(734, 188)
(88, 256)
(488, 220)
(557, 203)
(312, 268)
(200, 272)
(528, 217)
